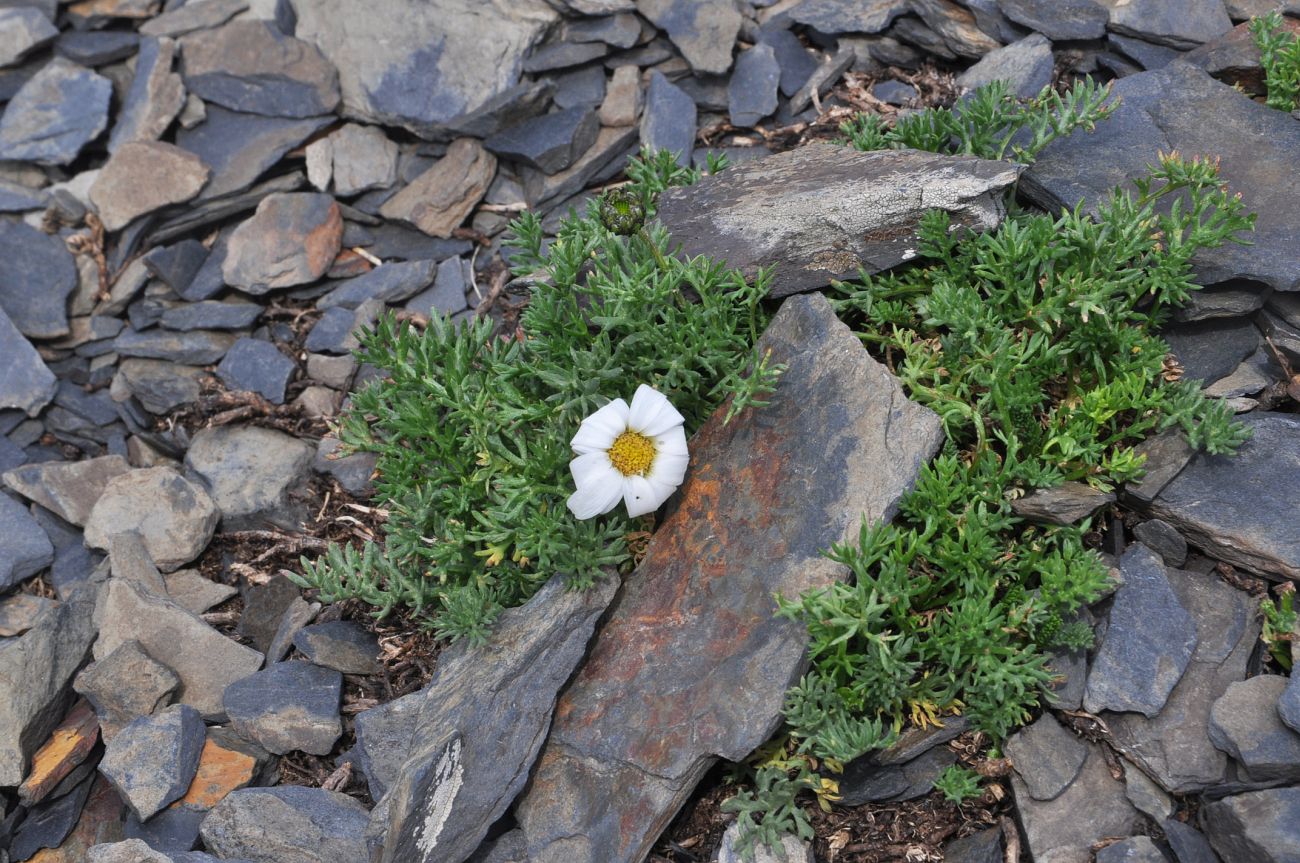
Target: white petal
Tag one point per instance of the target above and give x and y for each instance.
(601, 429)
(652, 414)
(593, 467)
(668, 469)
(642, 496)
(595, 498)
(671, 442)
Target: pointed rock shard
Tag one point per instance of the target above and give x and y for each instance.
(26, 382)
(692, 664)
(481, 724)
(824, 212)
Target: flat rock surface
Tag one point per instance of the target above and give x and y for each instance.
(56, 113)
(703, 30)
(152, 761)
(36, 280)
(823, 212)
(143, 176)
(250, 471)
(1165, 110)
(174, 515)
(24, 548)
(289, 824)
(154, 99)
(1025, 65)
(256, 366)
(1244, 723)
(251, 66)
(291, 240)
(343, 645)
(837, 441)
(1054, 829)
(289, 706)
(125, 685)
(442, 197)
(26, 382)
(238, 147)
(1256, 827)
(1046, 756)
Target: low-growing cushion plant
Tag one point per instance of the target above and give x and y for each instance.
(1279, 54)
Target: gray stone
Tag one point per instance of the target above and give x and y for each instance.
(336, 331)
(335, 372)
(607, 756)
(619, 31)
(1149, 798)
(20, 611)
(205, 660)
(362, 158)
(93, 14)
(251, 66)
(622, 104)
(174, 516)
(1046, 756)
(24, 548)
(196, 347)
(562, 55)
(1164, 539)
(751, 93)
(1188, 844)
(36, 669)
(17, 198)
(894, 783)
(96, 47)
(583, 87)
(1256, 827)
(193, 16)
(196, 594)
(22, 31)
(1236, 507)
(264, 607)
(1173, 748)
(1066, 503)
(144, 176)
(894, 92)
(956, 26)
(1229, 300)
(441, 198)
(1026, 66)
(291, 706)
(384, 737)
(1165, 110)
(212, 315)
(128, 850)
(1135, 849)
(340, 644)
(125, 685)
(792, 850)
(848, 16)
(353, 472)
(173, 831)
(152, 761)
(820, 81)
(1164, 456)
(240, 147)
(60, 110)
(26, 382)
(668, 122)
(1148, 643)
(36, 280)
(982, 847)
(551, 142)
(422, 65)
(390, 283)
(797, 64)
(1209, 350)
(289, 824)
(1069, 669)
(292, 239)
(447, 296)
(1288, 705)
(773, 212)
(1179, 25)
(68, 489)
(605, 159)
(161, 386)
(1244, 723)
(49, 822)
(482, 723)
(253, 365)
(128, 559)
(1147, 54)
(1054, 830)
(254, 474)
(155, 98)
(1061, 20)
(703, 30)
(295, 617)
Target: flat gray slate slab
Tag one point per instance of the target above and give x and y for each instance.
(289, 706)
(289, 824)
(824, 212)
(26, 382)
(692, 663)
(24, 548)
(1245, 723)
(482, 722)
(60, 110)
(1165, 110)
(1241, 508)
(152, 761)
(1256, 827)
(38, 275)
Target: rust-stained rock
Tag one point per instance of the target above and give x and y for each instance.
(143, 176)
(824, 211)
(221, 771)
(292, 239)
(68, 746)
(100, 821)
(438, 200)
(692, 663)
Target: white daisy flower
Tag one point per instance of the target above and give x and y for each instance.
(636, 453)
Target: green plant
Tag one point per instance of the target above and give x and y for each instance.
(958, 784)
(1279, 627)
(472, 430)
(1279, 54)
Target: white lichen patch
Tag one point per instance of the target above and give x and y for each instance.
(448, 775)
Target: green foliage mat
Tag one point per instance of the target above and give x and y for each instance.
(1279, 54)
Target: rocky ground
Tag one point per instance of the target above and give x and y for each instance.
(204, 200)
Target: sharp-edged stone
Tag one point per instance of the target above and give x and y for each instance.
(173, 515)
(55, 114)
(152, 761)
(37, 278)
(154, 99)
(289, 824)
(125, 685)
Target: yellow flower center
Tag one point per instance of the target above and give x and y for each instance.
(632, 453)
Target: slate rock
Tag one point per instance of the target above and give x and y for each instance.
(606, 756)
(791, 850)
(1164, 456)
(361, 158)
(1244, 723)
(603, 161)
(354, 472)
(441, 198)
(618, 30)
(253, 365)
(251, 472)
(36, 669)
(1188, 844)
(1173, 747)
(1166, 109)
(1149, 798)
(1162, 538)
(1066, 503)
(384, 738)
(894, 783)
(425, 66)
(390, 283)
(339, 644)
(333, 332)
(68, 489)
(480, 725)
(193, 16)
(126, 685)
(251, 66)
(36, 280)
(56, 113)
(668, 121)
(1179, 25)
(334, 372)
(1054, 830)
(848, 16)
(152, 761)
(1062, 20)
(982, 847)
(177, 265)
(773, 211)
(96, 47)
(26, 382)
(1046, 756)
(290, 240)
(288, 824)
(751, 93)
(154, 99)
(583, 87)
(1235, 507)
(1148, 643)
(264, 606)
(622, 102)
(17, 198)
(956, 26)
(49, 823)
(24, 548)
(196, 347)
(128, 559)
(291, 706)
(894, 92)
(295, 617)
(22, 31)
(132, 850)
(1210, 350)
(20, 611)
(1255, 827)
(562, 55)
(239, 147)
(160, 386)
(1025, 65)
(1288, 705)
(204, 659)
(196, 594)
(144, 176)
(551, 142)
(703, 30)
(212, 315)
(1135, 849)
(175, 516)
